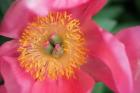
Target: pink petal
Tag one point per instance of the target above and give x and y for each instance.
(9, 48)
(90, 9)
(82, 83)
(16, 80)
(42, 7)
(15, 19)
(24, 11)
(131, 39)
(107, 52)
(2, 89)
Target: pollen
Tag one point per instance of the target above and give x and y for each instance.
(52, 46)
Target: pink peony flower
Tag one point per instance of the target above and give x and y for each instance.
(131, 39)
(57, 48)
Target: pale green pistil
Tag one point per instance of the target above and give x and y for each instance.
(53, 46)
(55, 39)
(57, 51)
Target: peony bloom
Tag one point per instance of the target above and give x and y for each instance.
(131, 40)
(57, 48)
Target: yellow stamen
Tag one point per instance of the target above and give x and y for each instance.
(40, 64)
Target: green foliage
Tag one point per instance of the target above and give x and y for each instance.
(3, 39)
(110, 12)
(101, 88)
(4, 5)
(118, 14)
(1, 15)
(137, 3)
(106, 18)
(108, 24)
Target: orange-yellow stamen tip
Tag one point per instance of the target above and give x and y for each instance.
(52, 46)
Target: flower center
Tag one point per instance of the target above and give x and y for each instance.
(52, 46)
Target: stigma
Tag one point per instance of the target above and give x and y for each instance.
(52, 47)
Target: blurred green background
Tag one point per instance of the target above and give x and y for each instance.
(116, 14)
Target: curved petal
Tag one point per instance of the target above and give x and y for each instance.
(99, 71)
(2, 89)
(131, 39)
(82, 83)
(24, 11)
(15, 19)
(16, 80)
(92, 8)
(9, 48)
(42, 7)
(102, 45)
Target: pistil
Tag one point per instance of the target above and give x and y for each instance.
(48, 47)
(54, 46)
(55, 39)
(57, 51)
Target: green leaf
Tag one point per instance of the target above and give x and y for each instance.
(3, 39)
(4, 5)
(124, 25)
(1, 15)
(137, 3)
(110, 12)
(118, 1)
(107, 17)
(108, 24)
(1, 81)
(101, 88)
